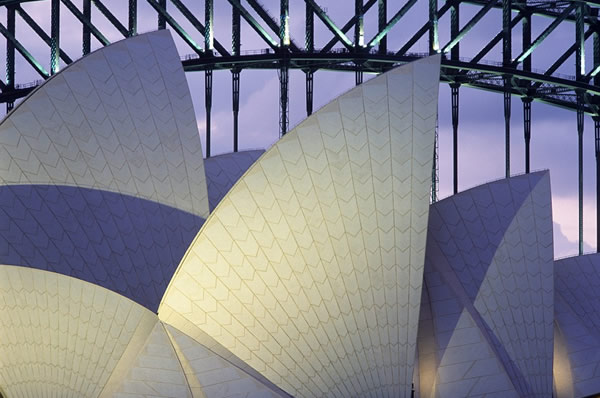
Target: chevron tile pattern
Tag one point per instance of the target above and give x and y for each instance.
(156, 372)
(214, 376)
(319, 262)
(126, 244)
(63, 337)
(577, 313)
(456, 358)
(120, 119)
(223, 171)
(171, 317)
(490, 286)
(310, 269)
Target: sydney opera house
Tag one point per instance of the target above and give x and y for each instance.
(133, 267)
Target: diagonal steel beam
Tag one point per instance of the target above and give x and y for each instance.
(347, 27)
(563, 58)
(255, 25)
(375, 40)
(330, 25)
(269, 21)
(23, 51)
(85, 21)
(112, 19)
(198, 25)
(40, 32)
(596, 69)
(469, 26)
(264, 15)
(411, 42)
(495, 40)
(544, 34)
(176, 27)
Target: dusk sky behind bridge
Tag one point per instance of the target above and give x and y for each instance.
(481, 127)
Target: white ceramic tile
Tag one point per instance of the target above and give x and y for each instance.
(106, 121)
(287, 283)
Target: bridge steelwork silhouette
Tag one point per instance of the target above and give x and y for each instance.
(348, 48)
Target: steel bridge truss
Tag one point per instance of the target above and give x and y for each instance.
(348, 49)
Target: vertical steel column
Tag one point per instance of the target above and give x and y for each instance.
(284, 23)
(284, 40)
(526, 39)
(526, 32)
(87, 34)
(10, 54)
(310, 47)
(358, 39)
(597, 147)
(309, 38)
(434, 47)
(454, 89)
(580, 121)
(597, 133)
(506, 62)
(579, 72)
(54, 36)
(382, 23)
(235, 31)
(507, 106)
(506, 32)
(283, 98)
(454, 30)
(208, 106)
(208, 26)
(527, 129)
(132, 18)
(434, 44)
(359, 33)
(454, 54)
(580, 40)
(162, 22)
(235, 73)
(309, 92)
(358, 75)
(434, 168)
(208, 78)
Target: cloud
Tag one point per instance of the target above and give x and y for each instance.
(565, 247)
(565, 215)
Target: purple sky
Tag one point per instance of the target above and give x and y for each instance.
(481, 129)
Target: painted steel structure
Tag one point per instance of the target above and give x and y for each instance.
(348, 49)
(321, 270)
